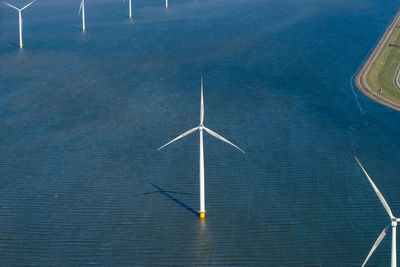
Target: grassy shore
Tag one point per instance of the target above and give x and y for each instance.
(377, 77)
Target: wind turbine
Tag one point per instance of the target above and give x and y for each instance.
(393, 222)
(201, 127)
(82, 8)
(20, 19)
(130, 8)
(166, 3)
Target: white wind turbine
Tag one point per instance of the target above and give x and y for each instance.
(201, 127)
(393, 222)
(82, 8)
(130, 8)
(20, 19)
(166, 3)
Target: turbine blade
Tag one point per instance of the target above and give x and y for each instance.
(376, 244)
(201, 103)
(223, 139)
(179, 137)
(80, 8)
(378, 193)
(28, 5)
(11, 6)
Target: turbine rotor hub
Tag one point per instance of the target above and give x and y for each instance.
(201, 127)
(394, 222)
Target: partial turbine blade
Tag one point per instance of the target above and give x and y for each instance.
(179, 137)
(378, 193)
(28, 5)
(201, 103)
(376, 244)
(10, 6)
(221, 138)
(80, 8)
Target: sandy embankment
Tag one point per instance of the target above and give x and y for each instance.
(362, 75)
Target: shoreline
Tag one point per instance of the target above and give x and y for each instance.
(360, 80)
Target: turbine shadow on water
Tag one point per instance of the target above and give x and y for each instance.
(167, 194)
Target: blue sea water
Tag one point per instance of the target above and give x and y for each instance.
(82, 114)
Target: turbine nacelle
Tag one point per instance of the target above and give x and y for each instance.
(19, 9)
(201, 127)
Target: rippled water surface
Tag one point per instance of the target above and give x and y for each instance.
(81, 116)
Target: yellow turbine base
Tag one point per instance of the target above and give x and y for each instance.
(83, 29)
(202, 214)
(130, 17)
(20, 46)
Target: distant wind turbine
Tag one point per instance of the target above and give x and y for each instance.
(82, 8)
(393, 222)
(130, 8)
(201, 127)
(166, 3)
(20, 19)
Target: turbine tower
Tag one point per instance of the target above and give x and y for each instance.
(166, 3)
(201, 127)
(82, 8)
(130, 8)
(393, 222)
(20, 19)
